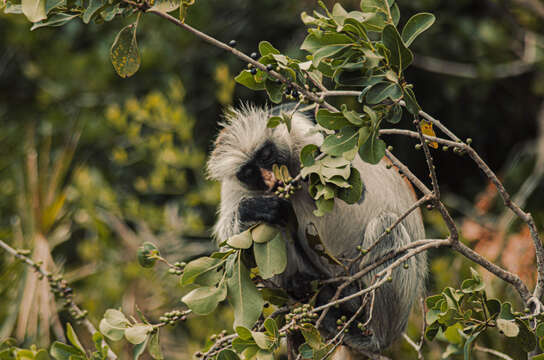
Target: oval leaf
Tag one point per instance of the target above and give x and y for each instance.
(415, 26)
(508, 327)
(204, 300)
(137, 333)
(34, 10)
(124, 52)
(241, 241)
(271, 256)
(263, 233)
(244, 297)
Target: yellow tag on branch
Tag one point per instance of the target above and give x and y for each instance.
(427, 129)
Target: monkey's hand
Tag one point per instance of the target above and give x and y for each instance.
(268, 209)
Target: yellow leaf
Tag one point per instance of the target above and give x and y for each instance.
(427, 129)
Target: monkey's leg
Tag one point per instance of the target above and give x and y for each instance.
(393, 300)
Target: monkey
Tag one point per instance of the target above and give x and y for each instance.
(242, 158)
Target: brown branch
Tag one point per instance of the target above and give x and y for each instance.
(308, 94)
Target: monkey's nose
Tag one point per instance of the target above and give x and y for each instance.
(269, 179)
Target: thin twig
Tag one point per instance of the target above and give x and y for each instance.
(72, 307)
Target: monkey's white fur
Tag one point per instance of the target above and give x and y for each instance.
(386, 196)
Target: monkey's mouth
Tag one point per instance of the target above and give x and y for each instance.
(270, 180)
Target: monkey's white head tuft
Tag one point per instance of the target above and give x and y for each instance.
(243, 131)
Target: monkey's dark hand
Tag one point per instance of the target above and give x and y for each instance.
(268, 209)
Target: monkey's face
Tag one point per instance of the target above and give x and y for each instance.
(257, 173)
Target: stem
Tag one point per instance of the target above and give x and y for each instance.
(73, 307)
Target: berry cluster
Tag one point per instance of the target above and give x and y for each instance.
(177, 269)
(301, 315)
(170, 318)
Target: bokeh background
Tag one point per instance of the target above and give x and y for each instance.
(92, 165)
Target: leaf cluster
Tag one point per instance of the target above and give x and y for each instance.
(460, 316)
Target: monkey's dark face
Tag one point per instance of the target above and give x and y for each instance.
(257, 173)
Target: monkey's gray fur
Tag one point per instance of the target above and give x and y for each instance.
(386, 196)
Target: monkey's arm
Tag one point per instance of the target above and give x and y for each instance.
(267, 209)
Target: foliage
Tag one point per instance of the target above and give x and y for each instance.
(357, 50)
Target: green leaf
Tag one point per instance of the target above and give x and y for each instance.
(227, 354)
(431, 331)
(241, 241)
(139, 349)
(60, 351)
(311, 335)
(204, 300)
(34, 10)
(110, 331)
(526, 338)
(244, 297)
(401, 56)
(109, 12)
(330, 120)
(493, 306)
(197, 267)
(506, 311)
(271, 256)
(166, 6)
(341, 142)
(243, 332)
(52, 4)
(431, 301)
(11, 8)
(154, 346)
(352, 116)
(264, 355)
(373, 150)
(382, 91)
(411, 103)
(262, 340)
(266, 48)
(326, 52)
(415, 26)
(274, 90)
(453, 334)
(264, 233)
(94, 6)
(467, 349)
(239, 344)
(540, 330)
(313, 43)
(508, 327)
(324, 206)
(353, 194)
(374, 6)
(272, 328)
(124, 52)
(394, 115)
(55, 20)
(275, 296)
(137, 333)
(245, 78)
(71, 335)
(307, 154)
(274, 121)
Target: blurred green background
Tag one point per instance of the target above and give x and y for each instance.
(92, 165)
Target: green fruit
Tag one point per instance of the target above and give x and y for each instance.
(147, 253)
